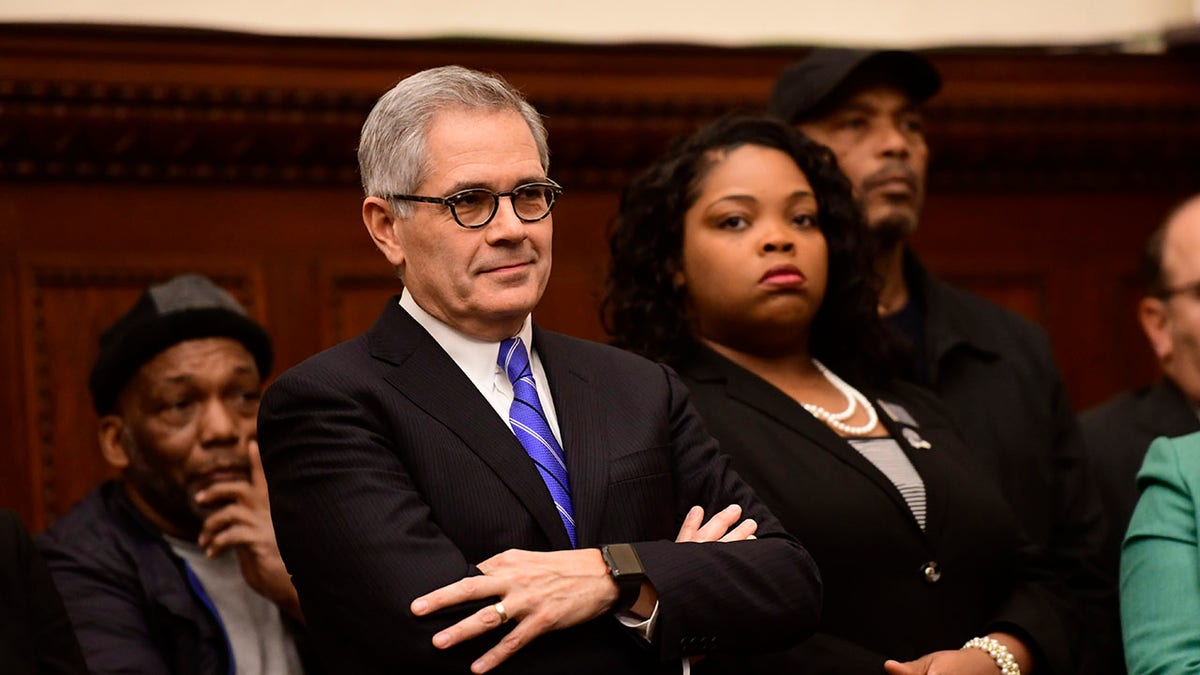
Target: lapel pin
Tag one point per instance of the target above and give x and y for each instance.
(898, 413)
(914, 439)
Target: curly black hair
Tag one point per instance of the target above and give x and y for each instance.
(645, 311)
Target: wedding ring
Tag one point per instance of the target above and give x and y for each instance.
(499, 607)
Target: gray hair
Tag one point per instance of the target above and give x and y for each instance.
(392, 156)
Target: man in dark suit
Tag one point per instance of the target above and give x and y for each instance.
(458, 488)
(994, 369)
(1119, 431)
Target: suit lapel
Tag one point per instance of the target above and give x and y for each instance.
(757, 393)
(582, 424)
(422, 372)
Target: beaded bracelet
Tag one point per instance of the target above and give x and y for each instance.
(999, 653)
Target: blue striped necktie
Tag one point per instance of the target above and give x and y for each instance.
(528, 422)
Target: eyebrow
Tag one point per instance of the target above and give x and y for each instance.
(856, 105)
(798, 195)
(481, 185)
(184, 378)
(734, 198)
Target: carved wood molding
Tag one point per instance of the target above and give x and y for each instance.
(1113, 144)
(1008, 119)
(102, 131)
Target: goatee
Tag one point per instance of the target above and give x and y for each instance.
(891, 230)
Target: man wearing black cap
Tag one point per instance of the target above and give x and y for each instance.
(173, 566)
(993, 368)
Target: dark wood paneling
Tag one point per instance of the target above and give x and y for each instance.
(215, 107)
(18, 482)
(355, 292)
(129, 154)
(1023, 293)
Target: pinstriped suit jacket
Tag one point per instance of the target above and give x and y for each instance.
(391, 476)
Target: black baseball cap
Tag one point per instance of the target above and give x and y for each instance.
(187, 307)
(818, 80)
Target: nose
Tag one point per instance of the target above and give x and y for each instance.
(219, 425)
(779, 238)
(894, 142)
(505, 227)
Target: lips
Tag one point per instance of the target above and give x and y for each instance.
(506, 267)
(223, 475)
(892, 179)
(783, 275)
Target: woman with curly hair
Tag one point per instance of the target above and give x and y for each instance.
(741, 260)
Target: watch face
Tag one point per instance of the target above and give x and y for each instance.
(626, 570)
(623, 560)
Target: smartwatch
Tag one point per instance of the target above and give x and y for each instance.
(626, 569)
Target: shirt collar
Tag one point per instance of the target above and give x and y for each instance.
(476, 358)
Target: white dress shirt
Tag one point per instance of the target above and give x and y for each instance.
(477, 359)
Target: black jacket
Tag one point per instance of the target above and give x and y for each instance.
(996, 373)
(1117, 433)
(128, 594)
(892, 590)
(35, 633)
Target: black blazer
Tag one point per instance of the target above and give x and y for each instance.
(35, 632)
(891, 589)
(1118, 432)
(391, 476)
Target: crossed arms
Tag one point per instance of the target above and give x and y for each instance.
(377, 505)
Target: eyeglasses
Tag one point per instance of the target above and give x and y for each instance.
(1192, 289)
(476, 207)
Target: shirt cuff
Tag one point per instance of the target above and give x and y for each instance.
(643, 627)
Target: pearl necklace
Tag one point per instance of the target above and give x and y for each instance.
(855, 399)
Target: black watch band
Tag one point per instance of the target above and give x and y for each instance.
(626, 569)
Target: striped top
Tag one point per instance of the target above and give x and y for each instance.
(886, 455)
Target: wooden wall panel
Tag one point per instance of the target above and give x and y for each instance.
(1023, 293)
(355, 292)
(129, 154)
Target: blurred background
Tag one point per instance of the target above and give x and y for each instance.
(140, 140)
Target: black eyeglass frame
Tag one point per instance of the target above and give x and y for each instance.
(449, 201)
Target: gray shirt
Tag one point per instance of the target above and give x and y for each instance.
(886, 455)
(261, 645)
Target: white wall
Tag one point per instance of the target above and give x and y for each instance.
(906, 23)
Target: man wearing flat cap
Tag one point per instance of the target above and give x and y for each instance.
(172, 567)
(994, 369)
